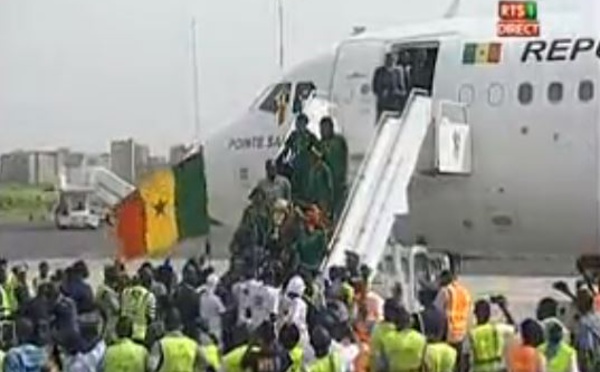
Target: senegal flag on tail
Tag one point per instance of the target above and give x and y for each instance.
(168, 206)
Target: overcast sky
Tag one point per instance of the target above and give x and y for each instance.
(79, 73)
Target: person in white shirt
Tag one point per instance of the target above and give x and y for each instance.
(86, 350)
(344, 344)
(266, 302)
(246, 295)
(293, 307)
(211, 307)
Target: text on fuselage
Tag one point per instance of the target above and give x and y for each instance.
(564, 49)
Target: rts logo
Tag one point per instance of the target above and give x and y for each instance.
(517, 19)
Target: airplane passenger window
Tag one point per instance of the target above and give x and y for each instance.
(466, 94)
(244, 174)
(586, 90)
(495, 94)
(525, 93)
(269, 103)
(555, 92)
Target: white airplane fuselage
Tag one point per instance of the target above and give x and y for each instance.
(534, 187)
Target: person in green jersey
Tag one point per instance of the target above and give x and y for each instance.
(298, 147)
(335, 154)
(320, 185)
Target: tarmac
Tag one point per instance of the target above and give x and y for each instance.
(32, 243)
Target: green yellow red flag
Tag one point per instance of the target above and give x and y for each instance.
(168, 206)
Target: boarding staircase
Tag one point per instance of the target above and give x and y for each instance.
(379, 194)
(108, 187)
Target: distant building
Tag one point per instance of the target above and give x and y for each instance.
(14, 167)
(177, 153)
(30, 167)
(128, 159)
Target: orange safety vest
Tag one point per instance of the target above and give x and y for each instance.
(523, 358)
(458, 309)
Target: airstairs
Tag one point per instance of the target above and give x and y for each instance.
(380, 188)
(109, 188)
(106, 186)
(379, 194)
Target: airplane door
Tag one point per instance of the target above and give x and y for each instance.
(352, 94)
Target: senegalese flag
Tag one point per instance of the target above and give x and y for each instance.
(482, 53)
(168, 206)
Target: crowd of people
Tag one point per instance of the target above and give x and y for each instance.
(193, 320)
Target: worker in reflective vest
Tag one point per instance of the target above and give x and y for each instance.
(232, 361)
(439, 356)
(403, 349)
(139, 304)
(290, 340)
(487, 340)
(176, 352)
(125, 355)
(391, 310)
(209, 347)
(523, 356)
(560, 356)
(326, 359)
(456, 301)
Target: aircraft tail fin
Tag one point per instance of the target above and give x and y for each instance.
(452, 9)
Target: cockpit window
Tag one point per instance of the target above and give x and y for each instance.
(269, 103)
(303, 91)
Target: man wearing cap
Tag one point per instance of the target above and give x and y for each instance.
(298, 146)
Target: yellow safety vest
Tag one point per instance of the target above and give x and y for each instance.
(403, 351)
(5, 303)
(212, 355)
(125, 356)
(487, 346)
(329, 363)
(440, 357)
(232, 361)
(561, 361)
(134, 305)
(179, 354)
(10, 294)
(379, 332)
(297, 356)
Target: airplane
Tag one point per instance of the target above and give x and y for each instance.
(533, 191)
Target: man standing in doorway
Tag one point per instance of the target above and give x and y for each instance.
(386, 86)
(406, 81)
